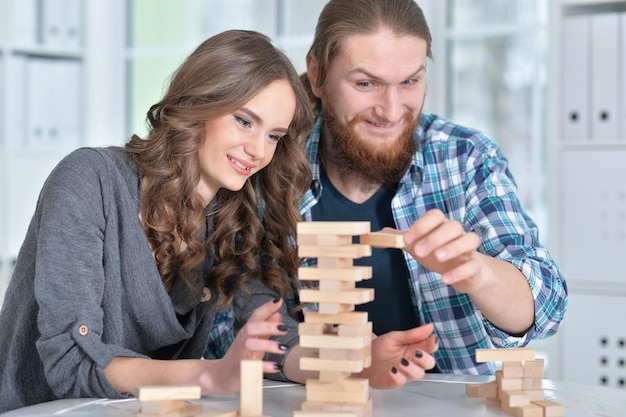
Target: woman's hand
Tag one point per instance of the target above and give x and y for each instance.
(400, 356)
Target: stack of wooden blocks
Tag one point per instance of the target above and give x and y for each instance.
(171, 401)
(340, 336)
(518, 385)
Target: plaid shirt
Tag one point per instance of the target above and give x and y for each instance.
(463, 173)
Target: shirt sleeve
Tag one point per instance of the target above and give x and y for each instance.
(508, 233)
(69, 280)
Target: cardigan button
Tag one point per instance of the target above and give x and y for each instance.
(206, 295)
(83, 330)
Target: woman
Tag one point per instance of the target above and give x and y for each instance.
(131, 250)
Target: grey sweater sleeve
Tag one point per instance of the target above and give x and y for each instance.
(71, 222)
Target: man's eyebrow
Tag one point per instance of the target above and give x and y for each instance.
(375, 77)
(257, 119)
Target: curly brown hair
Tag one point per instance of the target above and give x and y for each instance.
(253, 231)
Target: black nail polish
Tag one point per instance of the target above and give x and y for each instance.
(404, 362)
(394, 370)
(276, 299)
(277, 367)
(283, 347)
(282, 328)
(418, 354)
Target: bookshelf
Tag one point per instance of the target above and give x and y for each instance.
(587, 195)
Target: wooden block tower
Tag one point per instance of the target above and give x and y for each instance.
(340, 335)
(517, 387)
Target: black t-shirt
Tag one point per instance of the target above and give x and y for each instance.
(392, 308)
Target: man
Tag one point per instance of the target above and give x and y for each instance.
(472, 265)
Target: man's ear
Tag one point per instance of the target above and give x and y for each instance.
(312, 70)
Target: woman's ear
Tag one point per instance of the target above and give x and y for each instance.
(312, 71)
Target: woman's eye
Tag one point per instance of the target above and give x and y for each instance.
(243, 122)
(274, 138)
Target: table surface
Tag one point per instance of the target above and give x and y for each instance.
(435, 395)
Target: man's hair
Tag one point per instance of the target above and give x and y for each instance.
(253, 227)
(342, 18)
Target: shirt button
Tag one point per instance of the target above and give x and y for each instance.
(83, 329)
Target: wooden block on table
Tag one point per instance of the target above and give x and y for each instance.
(345, 251)
(351, 273)
(484, 390)
(251, 395)
(337, 396)
(323, 240)
(511, 398)
(383, 240)
(299, 413)
(355, 296)
(220, 413)
(333, 228)
(504, 354)
(551, 408)
(346, 385)
(354, 318)
(531, 383)
(529, 410)
(534, 369)
(168, 392)
(162, 407)
(535, 394)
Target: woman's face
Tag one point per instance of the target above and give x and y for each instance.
(239, 144)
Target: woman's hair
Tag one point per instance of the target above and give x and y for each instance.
(253, 229)
(342, 18)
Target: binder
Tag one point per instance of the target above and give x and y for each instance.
(622, 76)
(37, 97)
(575, 82)
(22, 27)
(52, 22)
(16, 109)
(605, 76)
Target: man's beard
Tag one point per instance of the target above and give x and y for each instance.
(369, 165)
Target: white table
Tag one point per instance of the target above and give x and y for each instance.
(436, 395)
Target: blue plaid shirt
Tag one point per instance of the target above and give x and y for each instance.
(463, 173)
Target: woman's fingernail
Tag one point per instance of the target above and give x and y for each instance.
(282, 328)
(394, 370)
(283, 347)
(277, 367)
(435, 338)
(404, 362)
(418, 354)
(276, 299)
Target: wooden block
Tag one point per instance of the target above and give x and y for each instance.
(220, 413)
(515, 398)
(529, 410)
(359, 410)
(484, 390)
(345, 251)
(251, 397)
(162, 407)
(383, 240)
(346, 385)
(334, 308)
(355, 318)
(317, 364)
(168, 392)
(347, 330)
(333, 376)
(333, 228)
(337, 396)
(327, 263)
(512, 369)
(534, 369)
(551, 408)
(324, 240)
(505, 354)
(531, 383)
(336, 286)
(351, 273)
(312, 329)
(535, 394)
(298, 413)
(512, 384)
(332, 341)
(355, 296)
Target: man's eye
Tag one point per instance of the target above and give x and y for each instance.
(365, 84)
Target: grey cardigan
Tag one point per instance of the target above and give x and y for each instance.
(86, 289)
